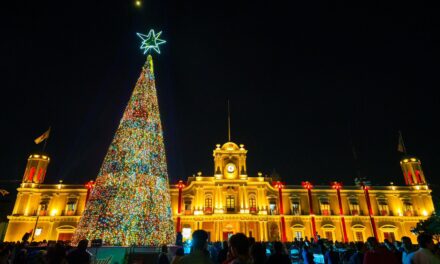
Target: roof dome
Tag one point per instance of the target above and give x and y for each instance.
(230, 146)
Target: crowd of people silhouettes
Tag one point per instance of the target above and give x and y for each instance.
(240, 249)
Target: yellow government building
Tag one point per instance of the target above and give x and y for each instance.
(231, 201)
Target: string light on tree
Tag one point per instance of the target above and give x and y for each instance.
(130, 202)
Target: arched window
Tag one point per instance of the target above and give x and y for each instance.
(252, 204)
(353, 204)
(273, 206)
(324, 206)
(43, 206)
(208, 204)
(408, 209)
(329, 232)
(389, 232)
(230, 204)
(382, 204)
(358, 233)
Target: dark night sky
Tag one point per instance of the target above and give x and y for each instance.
(304, 80)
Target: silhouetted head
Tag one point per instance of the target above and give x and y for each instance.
(179, 252)
(406, 243)
(200, 239)
(278, 247)
(83, 244)
(239, 244)
(372, 243)
(425, 241)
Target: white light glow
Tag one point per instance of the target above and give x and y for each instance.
(186, 233)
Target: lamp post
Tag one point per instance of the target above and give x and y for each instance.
(338, 186)
(370, 210)
(180, 186)
(280, 187)
(308, 186)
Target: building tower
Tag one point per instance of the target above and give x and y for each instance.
(412, 170)
(130, 203)
(230, 161)
(36, 168)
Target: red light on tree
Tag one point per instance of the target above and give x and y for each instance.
(307, 185)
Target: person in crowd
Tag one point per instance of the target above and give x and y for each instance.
(223, 253)
(199, 253)
(378, 254)
(307, 255)
(425, 253)
(163, 256)
(251, 241)
(56, 254)
(80, 254)
(239, 249)
(177, 256)
(279, 255)
(408, 250)
(331, 257)
(358, 256)
(258, 253)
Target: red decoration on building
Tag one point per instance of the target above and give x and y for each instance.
(180, 186)
(89, 185)
(39, 175)
(338, 186)
(280, 187)
(370, 210)
(31, 174)
(308, 186)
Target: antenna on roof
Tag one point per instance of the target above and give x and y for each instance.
(229, 123)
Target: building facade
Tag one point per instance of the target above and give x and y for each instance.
(231, 201)
(45, 211)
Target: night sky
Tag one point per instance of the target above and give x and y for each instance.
(307, 83)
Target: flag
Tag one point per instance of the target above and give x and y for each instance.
(41, 138)
(401, 145)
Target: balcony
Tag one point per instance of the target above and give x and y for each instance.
(42, 213)
(230, 210)
(383, 212)
(70, 213)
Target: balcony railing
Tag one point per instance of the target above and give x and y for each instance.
(42, 213)
(69, 213)
(207, 210)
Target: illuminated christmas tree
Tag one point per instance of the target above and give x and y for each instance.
(130, 203)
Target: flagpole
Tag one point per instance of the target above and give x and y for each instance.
(46, 139)
(35, 227)
(403, 143)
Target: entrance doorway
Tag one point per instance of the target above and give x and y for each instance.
(65, 236)
(227, 235)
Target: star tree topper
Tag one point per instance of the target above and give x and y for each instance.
(151, 41)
